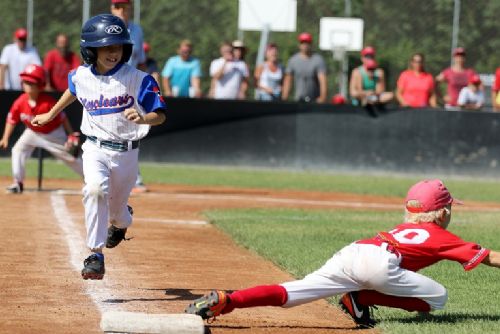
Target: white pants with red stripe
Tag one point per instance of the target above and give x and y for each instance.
(52, 142)
(109, 178)
(365, 267)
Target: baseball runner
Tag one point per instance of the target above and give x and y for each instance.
(120, 103)
(378, 271)
(51, 137)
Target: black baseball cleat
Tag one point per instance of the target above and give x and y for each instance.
(93, 267)
(359, 313)
(115, 234)
(15, 188)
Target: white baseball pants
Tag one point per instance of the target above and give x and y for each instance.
(52, 142)
(364, 267)
(109, 178)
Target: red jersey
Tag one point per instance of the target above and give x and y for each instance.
(456, 81)
(416, 88)
(496, 84)
(58, 68)
(22, 111)
(422, 245)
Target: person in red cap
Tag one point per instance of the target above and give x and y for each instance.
(495, 91)
(456, 77)
(381, 270)
(14, 59)
(367, 84)
(471, 97)
(307, 71)
(52, 137)
(58, 62)
(415, 86)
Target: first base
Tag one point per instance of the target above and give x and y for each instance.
(131, 322)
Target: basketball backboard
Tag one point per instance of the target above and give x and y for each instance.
(341, 33)
(277, 15)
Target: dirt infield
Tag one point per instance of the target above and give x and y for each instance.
(173, 258)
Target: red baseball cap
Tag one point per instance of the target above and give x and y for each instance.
(459, 52)
(475, 79)
(338, 99)
(21, 33)
(430, 195)
(146, 47)
(305, 37)
(120, 1)
(368, 50)
(370, 64)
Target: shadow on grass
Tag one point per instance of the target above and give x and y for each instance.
(449, 318)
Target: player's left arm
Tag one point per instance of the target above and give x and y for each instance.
(492, 259)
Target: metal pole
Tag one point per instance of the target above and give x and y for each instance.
(29, 22)
(347, 8)
(85, 11)
(344, 81)
(40, 168)
(264, 37)
(137, 12)
(456, 28)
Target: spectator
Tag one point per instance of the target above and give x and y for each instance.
(456, 77)
(182, 73)
(229, 75)
(367, 84)
(471, 97)
(415, 87)
(239, 53)
(269, 76)
(122, 9)
(308, 71)
(151, 64)
(14, 59)
(495, 92)
(58, 63)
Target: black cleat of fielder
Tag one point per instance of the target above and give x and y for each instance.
(93, 267)
(115, 234)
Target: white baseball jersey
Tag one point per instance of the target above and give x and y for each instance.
(105, 97)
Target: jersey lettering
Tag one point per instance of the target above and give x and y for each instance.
(413, 236)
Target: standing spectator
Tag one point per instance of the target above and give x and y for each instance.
(122, 9)
(239, 53)
(14, 59)
(269, 76)
(308, 72)
(495, 92)
(229, 75)
(182, 73)
(415, 87)
(456, 77)
(471, 97)
(367, 84)
(151, 64)
(58, 63)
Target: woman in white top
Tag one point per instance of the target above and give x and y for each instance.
(269, 76)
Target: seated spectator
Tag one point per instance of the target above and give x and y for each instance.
(58, 63)
(471, 97)
(182, 73)
(229, 75)
(456, 77)
(495, 92)
(151, 66)
(269, 76)
(307, 71)
(14, 59)
(367, 84)
(415, 87)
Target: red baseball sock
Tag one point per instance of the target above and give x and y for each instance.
(410, 304)
(263, 295)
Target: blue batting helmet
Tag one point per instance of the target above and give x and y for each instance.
(104, 30)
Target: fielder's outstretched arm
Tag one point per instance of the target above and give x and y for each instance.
(492, 260)
(65, 100)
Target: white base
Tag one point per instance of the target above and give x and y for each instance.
(130, 322)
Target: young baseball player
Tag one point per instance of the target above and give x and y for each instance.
(378, 271)
(51, 137)
(120, 103)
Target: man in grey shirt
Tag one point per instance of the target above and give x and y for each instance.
(309, 72)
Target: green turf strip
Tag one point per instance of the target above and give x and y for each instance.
(300, 241)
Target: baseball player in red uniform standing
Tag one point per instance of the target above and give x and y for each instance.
(378, 271)
(51, 137)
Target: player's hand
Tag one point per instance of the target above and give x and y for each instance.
(134, 116)
(41, 119)
(4, 143)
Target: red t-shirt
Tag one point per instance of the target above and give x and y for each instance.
(496, 85)
(422, 245)
(416, 88)
(58, 68)
(456, 81)
(22, 111)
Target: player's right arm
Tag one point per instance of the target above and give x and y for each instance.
(492, 260)
(9, 128)
(65, 100)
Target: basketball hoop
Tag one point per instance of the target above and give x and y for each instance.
(339, 53)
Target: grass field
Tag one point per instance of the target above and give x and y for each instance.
(300, 241)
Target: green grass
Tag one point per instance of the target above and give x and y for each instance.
(300, 241)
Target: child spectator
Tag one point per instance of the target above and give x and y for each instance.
(471, 97)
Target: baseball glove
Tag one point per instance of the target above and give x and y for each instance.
(73, 144)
